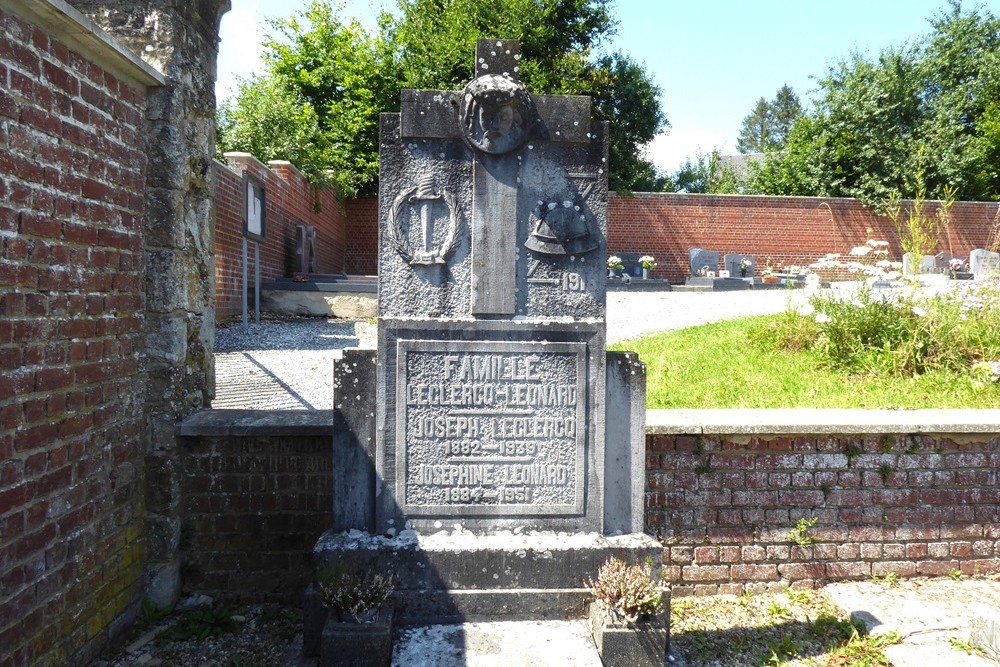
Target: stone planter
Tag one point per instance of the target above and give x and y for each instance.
(769, 280)
(624, 644)
(350, 644)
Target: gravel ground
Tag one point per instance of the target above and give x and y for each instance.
(286, 363)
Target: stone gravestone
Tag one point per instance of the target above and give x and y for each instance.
(473, 454)
(732, 263)
(700, 261)
(983, 263)
(942, 262)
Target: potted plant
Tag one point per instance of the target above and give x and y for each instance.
(625, 619)
(648, 264)
(358, 628)
(615, 266)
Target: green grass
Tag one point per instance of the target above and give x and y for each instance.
(721, 366)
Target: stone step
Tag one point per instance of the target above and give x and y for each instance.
(464, 561)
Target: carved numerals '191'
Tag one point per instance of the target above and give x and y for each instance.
(573, 282)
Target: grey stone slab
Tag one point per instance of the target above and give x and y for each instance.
(449, 576)
(520, 414)
(982, 263)
(624, 443)
(701, 260)
(941, 261)
(731, 263)
(257, 422)
(512, 644)
(985, 634)
(718, 284)
(494, 230)
(354, 386)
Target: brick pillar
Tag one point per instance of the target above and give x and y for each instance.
(179, 38)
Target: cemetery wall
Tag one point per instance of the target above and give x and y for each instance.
(290, 201)
(789, 230)
(72, 269)
(913, 505)
(254, 505)
(723, 506)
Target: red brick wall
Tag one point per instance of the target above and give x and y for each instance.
(71, 322)
(789, 230)
(253, 509)
(361, 253)
(291, 201)
(913, 505)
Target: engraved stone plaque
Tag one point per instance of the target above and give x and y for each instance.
(490, 428)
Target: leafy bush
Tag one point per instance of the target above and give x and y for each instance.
(627, 589)
(354, 596)
(907, 332)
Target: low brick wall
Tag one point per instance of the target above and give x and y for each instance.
(913, 493)
(890, 493)
(257, 492)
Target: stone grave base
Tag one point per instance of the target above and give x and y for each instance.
(698, 283)
(320, 295)
(460, 577)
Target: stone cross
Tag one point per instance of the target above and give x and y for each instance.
(499, 120)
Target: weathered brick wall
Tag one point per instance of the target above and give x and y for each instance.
(789, 230)
(361, 253)
(290, 201)
(912, 505)
(254, 505)
(71, 344)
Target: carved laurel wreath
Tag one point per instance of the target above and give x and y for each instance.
(402, 245)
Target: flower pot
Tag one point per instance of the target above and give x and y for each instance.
(743, 273)
(769, 280)
(622, 643)
(352, 644)
(645, 274)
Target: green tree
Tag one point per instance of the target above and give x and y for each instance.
(766, 127)
(931, 107)
(755, 135)
(347, 76)
(706, 174)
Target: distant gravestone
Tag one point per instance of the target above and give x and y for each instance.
(701, 261)
(983, 263)
(732, 264)
(942, 261)
(917, 264)
(484, 411)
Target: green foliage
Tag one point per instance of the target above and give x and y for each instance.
(889, 580)
(706, 174)
(627, 589)
(919, 232)
(884, 472)
(966, 647)
(328, 80)
(800, 533)
(201, 621)
(354, 595)
(864, 136)
(864, 650)
(766, 128)
(955, 574)
(697, 367)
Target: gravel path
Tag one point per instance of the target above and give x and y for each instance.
(287, 364)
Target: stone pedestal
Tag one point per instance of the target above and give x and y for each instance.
(494, 448)
(642, 643)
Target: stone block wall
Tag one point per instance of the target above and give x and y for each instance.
(789, 230)
(72, 268)
(290, 201)
(725, 505)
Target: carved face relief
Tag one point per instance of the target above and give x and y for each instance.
(496, 114)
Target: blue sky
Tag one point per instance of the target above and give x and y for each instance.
(713, 59)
